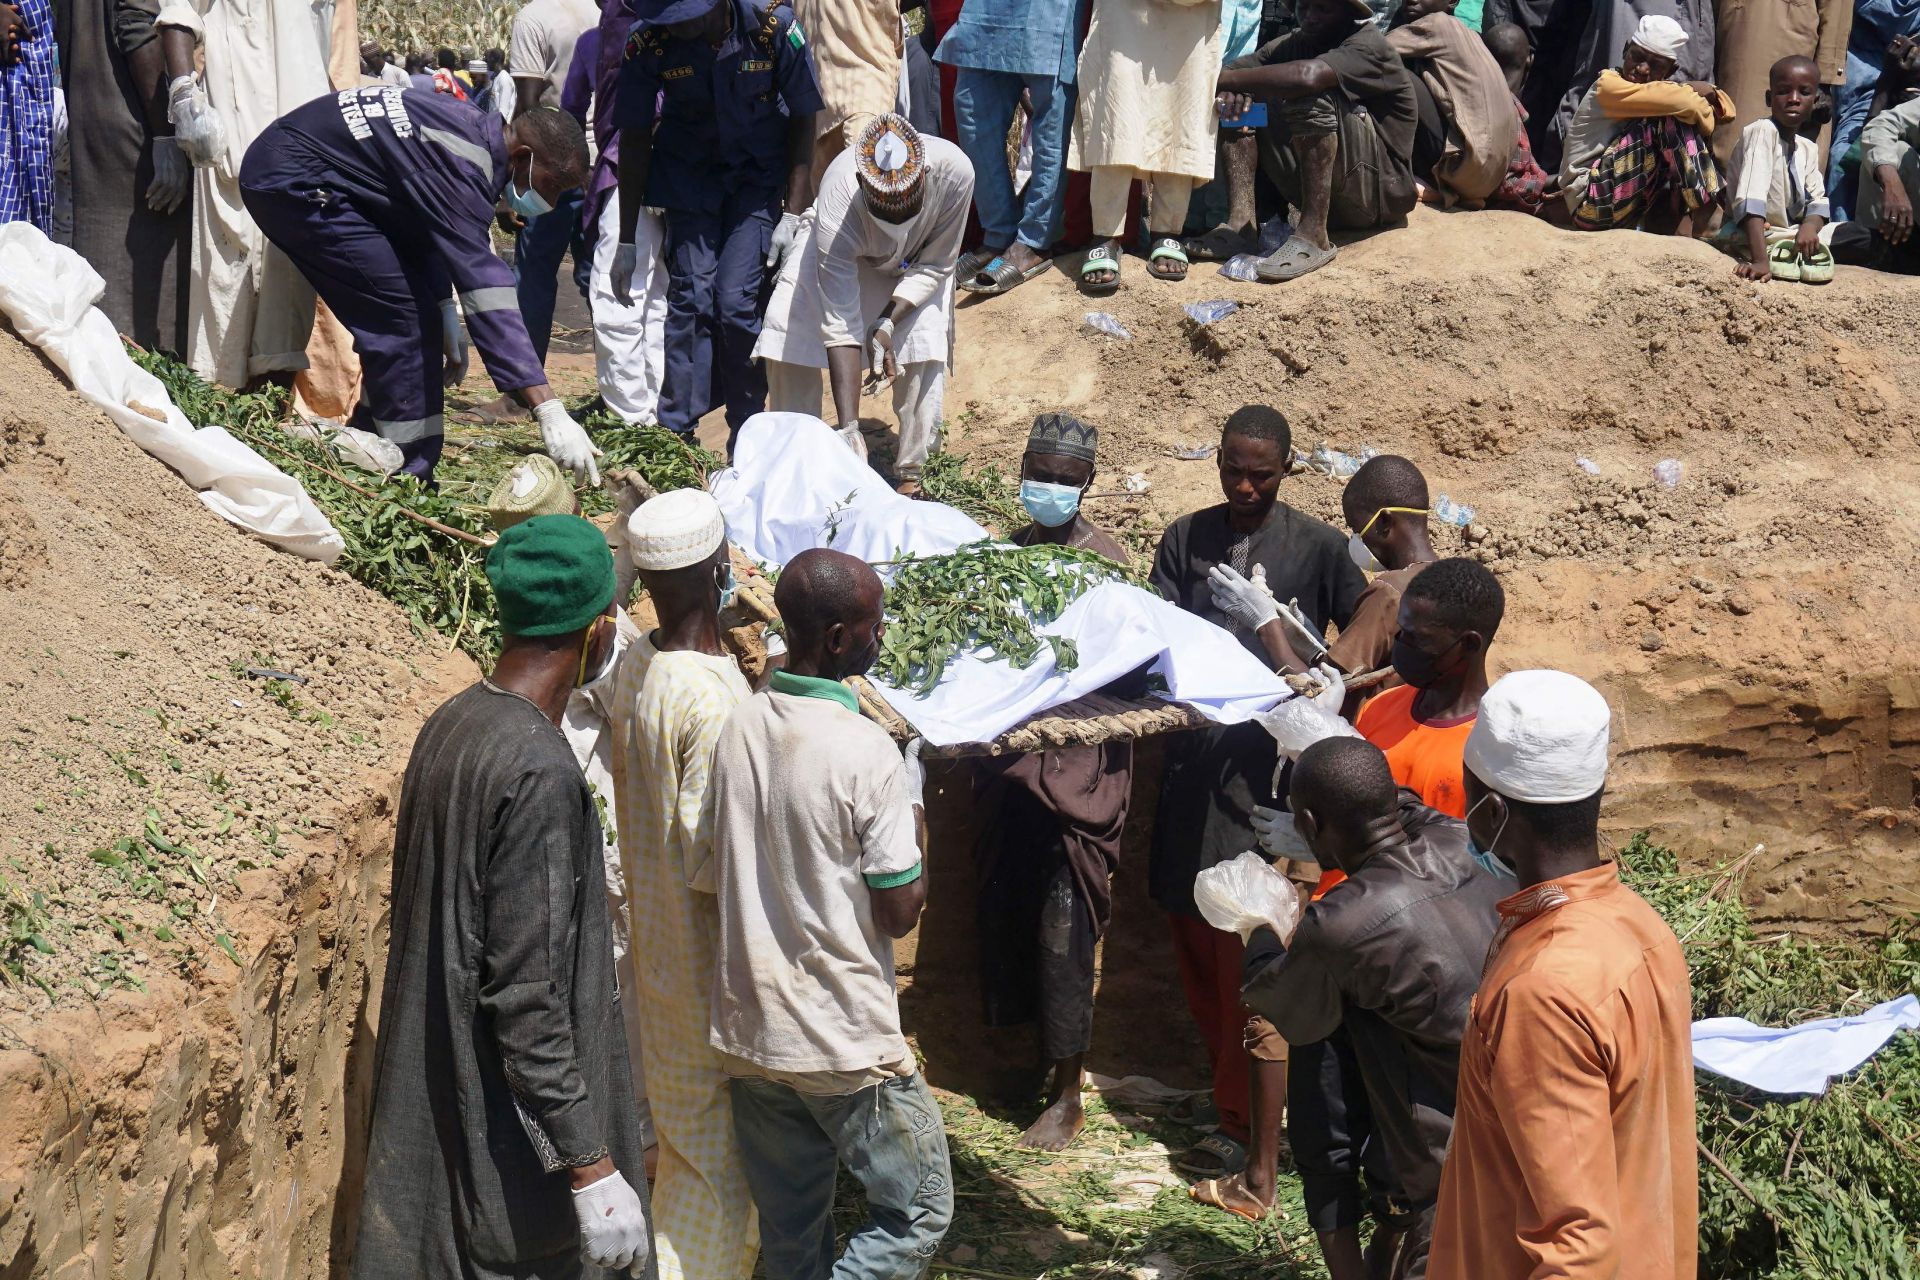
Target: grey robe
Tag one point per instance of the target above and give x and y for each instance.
(502, 1057)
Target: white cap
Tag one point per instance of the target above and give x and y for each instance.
(1541, 737)
(676, 529)
(477, 67)
(1660, 36)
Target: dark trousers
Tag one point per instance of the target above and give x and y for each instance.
(538, 251)
(388, 300)
(1037, 943)
(1330, 1128)
(716, 270)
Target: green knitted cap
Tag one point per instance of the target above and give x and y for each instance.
(551, 575)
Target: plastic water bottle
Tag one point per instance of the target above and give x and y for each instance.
(1241, 266)
(1668, 472)
(1447, 511)
(1587, 465)
(1332, 462)
(1205, 313)
(1194, 452)
(1105, 322)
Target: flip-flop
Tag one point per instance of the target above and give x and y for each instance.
(1294, 259)
(1230, 1193)
(1167, 248)
(1195, 1111)
(970, 263)
(1223, 242)
(1101, 257)
(1783, 260)
(1214, 1156)
(1001, 276)
(1817, 267)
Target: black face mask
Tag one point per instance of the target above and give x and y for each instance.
(1419, 669)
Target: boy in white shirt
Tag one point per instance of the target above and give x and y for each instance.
(1776, 196)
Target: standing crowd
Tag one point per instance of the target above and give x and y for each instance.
(644, 907)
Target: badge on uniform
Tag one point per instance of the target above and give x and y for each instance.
(756, 66)
(795, 36)
(676, 73)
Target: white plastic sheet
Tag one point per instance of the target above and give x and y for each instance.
(794, 485)
(1800, 1059)
(48, 291)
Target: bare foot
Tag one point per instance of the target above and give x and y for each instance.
(1058, 1125)
(1023, 258)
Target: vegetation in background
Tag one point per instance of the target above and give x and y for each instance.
(421, 26)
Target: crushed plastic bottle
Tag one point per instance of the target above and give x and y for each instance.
(1587, 465)
(1368, 453)
(1194, 452)
(1205, 313)
(1668, 472)
(1136, 482)
(1274, 232)
(1332, 462)
(1106, 322)
(1447, 511)
(1241, 266)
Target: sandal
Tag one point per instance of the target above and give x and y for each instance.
(1001, 276)
(1167, 249)
(1195, 1111)
(1783, 260)
(1214, 1156)
(1102, 257)
(1230, 1193)
(1294, 259)
(970, 264)
(1223, 242)
(1817, 267)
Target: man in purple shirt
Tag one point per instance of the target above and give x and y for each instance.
(383, 198)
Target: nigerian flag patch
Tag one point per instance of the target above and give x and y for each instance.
(795, 36)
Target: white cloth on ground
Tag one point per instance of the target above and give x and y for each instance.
(793, 485)
(919, 398)
(1801, 1059)
(250, 311)
(847, 264)
(630, 342)
(48, 292)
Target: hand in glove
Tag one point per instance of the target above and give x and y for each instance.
(851, 436)
(202, 135)
(171, 174)
(784, 237)
(626, 260)
(453, 343)
(613, 1225)
(1273, 828)
(913, 774)
(567, 441)
(1333, 688)
(1246, 600)
(882, 368)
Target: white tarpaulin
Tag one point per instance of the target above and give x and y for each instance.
(794, 485)
(48, 291)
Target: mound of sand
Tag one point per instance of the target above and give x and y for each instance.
(1754, 626)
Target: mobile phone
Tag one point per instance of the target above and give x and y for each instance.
(1254, 117)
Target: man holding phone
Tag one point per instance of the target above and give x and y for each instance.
(1339, 144)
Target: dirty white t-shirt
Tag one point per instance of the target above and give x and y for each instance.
(541, 47)
(810, 810)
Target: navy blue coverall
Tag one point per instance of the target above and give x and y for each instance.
(383, 197)
(719, 169)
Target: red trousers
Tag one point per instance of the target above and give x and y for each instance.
(1210, 963)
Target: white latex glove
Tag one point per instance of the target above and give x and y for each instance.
(1246, 600)
(784, 236)
(567, 441)
(171, 175)
(626, 261)
(453, 343)
(202, 134)
(913, 774)
(613, 1225)
(1333, 688)
(1298, 723)
(1273, 828)
(851, 435)
(881, 365)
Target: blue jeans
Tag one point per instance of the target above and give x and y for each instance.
(889, 1135)
(983, 105)
(537, 253)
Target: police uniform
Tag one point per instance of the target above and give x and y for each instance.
(383, 197)
(719, 120)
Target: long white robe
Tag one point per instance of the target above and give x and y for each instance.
(1147, 77)
(250, 310)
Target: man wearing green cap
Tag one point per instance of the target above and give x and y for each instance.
(504, 1125)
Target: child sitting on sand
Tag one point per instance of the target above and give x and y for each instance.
(1776, 195)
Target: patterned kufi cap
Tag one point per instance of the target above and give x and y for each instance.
(536, 487)
(676, 529)
(892, 163)
(1062, 434)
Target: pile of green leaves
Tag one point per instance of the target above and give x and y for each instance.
(984, 496)
(440, 581)
(1836, 1178)
(666, 459)
(984, 596)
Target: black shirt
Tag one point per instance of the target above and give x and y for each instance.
(1216, 775)
(1371, 74)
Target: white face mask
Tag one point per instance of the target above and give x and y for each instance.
(1368, 562)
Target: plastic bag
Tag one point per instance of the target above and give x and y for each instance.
(1241, 266)
(1298, 723)
(1205, 313)
(1109, 324)
(1242, 895)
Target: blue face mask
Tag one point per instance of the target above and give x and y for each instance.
(727, 587)
(529, 204)
(1051, 504)
(1484, 857)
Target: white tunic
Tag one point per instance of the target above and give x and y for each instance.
(1147, 77)
(852, 263)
